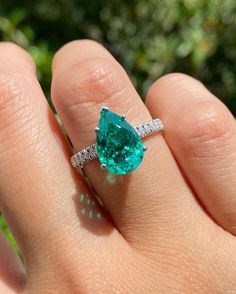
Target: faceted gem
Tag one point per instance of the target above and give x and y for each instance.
(119, 147)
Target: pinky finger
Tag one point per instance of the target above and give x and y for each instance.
(201, 133)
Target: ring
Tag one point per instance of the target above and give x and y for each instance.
(119, 147)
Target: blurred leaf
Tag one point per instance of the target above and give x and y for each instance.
(8, 234)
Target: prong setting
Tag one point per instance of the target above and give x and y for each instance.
(96, 129)
(104, 108)
(145, 148)
(103, 166)
(123, 116)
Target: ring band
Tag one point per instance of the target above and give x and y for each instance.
(119, 146)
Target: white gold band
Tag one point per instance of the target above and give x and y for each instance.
(90, 152)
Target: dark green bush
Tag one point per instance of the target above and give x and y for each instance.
(149, 37)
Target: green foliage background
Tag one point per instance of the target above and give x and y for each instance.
(148, 37)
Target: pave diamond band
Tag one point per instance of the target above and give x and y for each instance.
(89, 153)
(149, 127)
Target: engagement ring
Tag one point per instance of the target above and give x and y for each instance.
(119, 147)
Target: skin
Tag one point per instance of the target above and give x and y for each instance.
(169, 227)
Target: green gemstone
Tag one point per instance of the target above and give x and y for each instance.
(119, 146)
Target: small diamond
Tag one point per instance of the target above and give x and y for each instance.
(152, 127)
(91, 153)
(141, 131)
(146, 129)
(155, 123)
(74, 161)
(86, 156)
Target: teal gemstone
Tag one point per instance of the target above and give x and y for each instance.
(119, 146)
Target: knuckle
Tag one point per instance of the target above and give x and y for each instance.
(24, 59)
(94, 81)
(9, 46)
(72, 46)
(171, 80)
(206, 131)
(84, 42)
(13, 96)
(11, 86)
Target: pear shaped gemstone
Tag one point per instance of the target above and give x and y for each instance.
(119, 147)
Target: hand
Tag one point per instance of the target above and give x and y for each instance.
(168, 227)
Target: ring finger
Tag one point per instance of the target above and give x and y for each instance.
(86, 77)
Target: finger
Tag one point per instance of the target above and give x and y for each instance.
(85, 77)
(201, 133)
(39, 195)
(12, 277)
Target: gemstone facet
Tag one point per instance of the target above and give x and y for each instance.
(119, 147)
